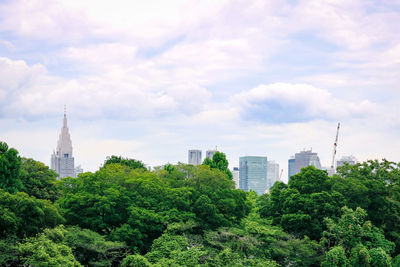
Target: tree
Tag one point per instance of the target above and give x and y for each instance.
(135, 261)
(38, 180)
(131, 163)
(380, 258)
(220, 162)
(352, 231)
(22, 215)
(310, 180)
(90, 248)
(10, 164)
(9, 251)
(42, 251)
(301, 206)
(375, 187)
(335, 258)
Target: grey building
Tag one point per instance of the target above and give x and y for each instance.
(78, 170)
(194, 157)
(235, 176)
(306, 158)
(272, 173)
(291, 162)
(62, 160)
(210, 153)
(347, 159)
(253, 174)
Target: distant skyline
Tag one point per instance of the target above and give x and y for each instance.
(152, 79)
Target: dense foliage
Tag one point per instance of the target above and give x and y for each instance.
(185, 215)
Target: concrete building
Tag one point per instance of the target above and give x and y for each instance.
(194, 157)
(235, 176)
(291, 162)
(210, 153)
(78, 170)
(62, 160)
(272, 173)
(253, 174)
(346, 159)
(306, 158)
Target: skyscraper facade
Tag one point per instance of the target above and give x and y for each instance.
(253, 174)
(210, 153)
(306, 158)
(235, 176)
(62, 160)
(346, 159)
(194, 157)
(272, 173)
(291, 167)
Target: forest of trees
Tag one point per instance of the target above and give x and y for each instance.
(184, 215)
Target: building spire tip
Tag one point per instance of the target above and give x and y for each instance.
(65, 110)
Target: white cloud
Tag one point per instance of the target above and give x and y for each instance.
(30, 91)
(306, 101)
(146, 22)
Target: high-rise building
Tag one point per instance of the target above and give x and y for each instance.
(291, 162)
(346, 159)
(253, 174)
(306, 158)
(78, 170)
(272, 173)
(235, 176)
(210, 153)
(62, 160)
(194, 157)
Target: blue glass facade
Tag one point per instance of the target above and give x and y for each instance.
(291, 169)
(253, 174)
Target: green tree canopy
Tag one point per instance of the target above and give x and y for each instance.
(131, 163)
(220, 162)
(22, 215)
(301, 206)
(38, 180)
(375, 187)
(352, 230)
(10, 164)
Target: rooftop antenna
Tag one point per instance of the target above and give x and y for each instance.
(65, 110)
(334, 148)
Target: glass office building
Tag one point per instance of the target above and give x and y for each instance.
(253, 174)
(306, 158)
(291, 167)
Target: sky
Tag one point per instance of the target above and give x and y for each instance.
(151, 79)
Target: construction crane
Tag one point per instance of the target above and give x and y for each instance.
(280, 176)
(334, 148)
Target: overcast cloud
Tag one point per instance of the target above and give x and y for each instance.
(151, 79)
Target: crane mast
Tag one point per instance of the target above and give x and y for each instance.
(334, 148)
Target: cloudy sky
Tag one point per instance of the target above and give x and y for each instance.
(152, 79)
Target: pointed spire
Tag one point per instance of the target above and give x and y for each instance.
(64, 144)
(65, 117)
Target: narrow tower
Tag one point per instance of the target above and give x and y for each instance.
(62, 160)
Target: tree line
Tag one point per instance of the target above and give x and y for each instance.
(183, 215)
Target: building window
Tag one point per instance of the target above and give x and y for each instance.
(65, 155)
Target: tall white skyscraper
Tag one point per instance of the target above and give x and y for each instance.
(62, 160)
(194, 157)
(235, 176)
(272, 173)
(210, 153)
